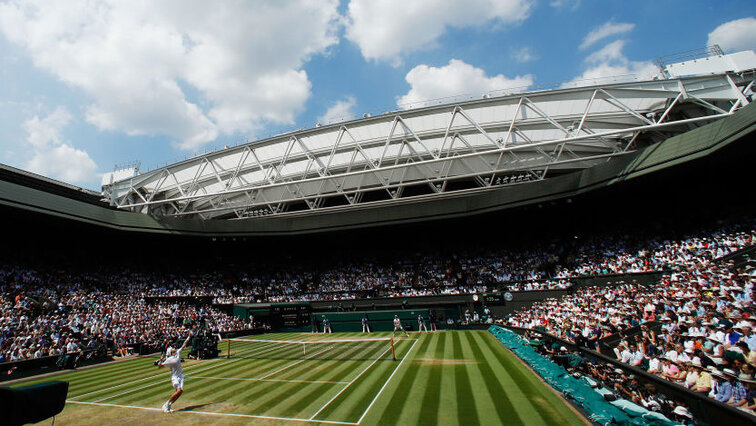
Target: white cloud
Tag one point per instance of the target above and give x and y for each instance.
(54, 157)
(610, 65)
(47, 130)
(65, 163)
(559, 4)
(610, 52)
(608, 29)
(340, 111)
(523, 55)
(388, 29)
(135, 60)
(736, 35)
(453, 80)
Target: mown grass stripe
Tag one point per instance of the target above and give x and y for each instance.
(110, 379)
(521, 391)
(351, 406)
(345, 369)
(504, 408)
(273, 360)
(93, 373)
(431, 397)
(466, 411)
(385, 383)
(251, 396)
(448, 398)
(352, 403)
(138, 391)
(350, 395)
(148, 387)
(364, 354)
(261, 392)
(393, 410)
(152, 374)
(247, 350)
(250, 368)
(235, 368)
(546, 404)
(274, 351)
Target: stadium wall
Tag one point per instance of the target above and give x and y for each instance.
(378, 320)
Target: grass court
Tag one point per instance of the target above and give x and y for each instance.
(448, 377)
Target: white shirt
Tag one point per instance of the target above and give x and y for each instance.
(175, 363)
(653, 364)
(637, 358)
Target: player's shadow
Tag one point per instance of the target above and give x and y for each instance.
(194, 407)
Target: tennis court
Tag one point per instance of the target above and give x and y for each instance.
(454, 377)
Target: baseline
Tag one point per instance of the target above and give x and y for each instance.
(214, 413)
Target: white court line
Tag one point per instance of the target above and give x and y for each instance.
(160, 374)
(151, 384)
(387, 382)
(134, 381)
(189, 375)
(214, 413)
(257, 379)
(307, 341)
(252, 351)
(350, 383)
(296, 363)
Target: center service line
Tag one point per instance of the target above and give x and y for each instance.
(350, 383)
(387, 382)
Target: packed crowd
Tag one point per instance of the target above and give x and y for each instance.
(541, 267)
(53, 313)
(694, 327)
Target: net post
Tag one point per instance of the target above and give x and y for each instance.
(393, 354)
(228, 348)
(304, 349)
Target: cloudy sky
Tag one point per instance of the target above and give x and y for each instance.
(88, 84)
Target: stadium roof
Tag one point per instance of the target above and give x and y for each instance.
(441, 151)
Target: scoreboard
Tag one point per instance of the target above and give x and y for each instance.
(290, 315)
(497, 298)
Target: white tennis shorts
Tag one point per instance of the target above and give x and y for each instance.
(177, 382)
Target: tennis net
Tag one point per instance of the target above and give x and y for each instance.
(336, 349)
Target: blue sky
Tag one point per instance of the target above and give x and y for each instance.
(85, 85)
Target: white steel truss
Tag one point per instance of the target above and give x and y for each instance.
(436, 151)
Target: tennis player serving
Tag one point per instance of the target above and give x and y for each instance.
(173, 359)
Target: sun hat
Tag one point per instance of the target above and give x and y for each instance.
(682, 411)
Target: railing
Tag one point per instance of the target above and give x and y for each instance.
(713, 50)
(608, 344)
